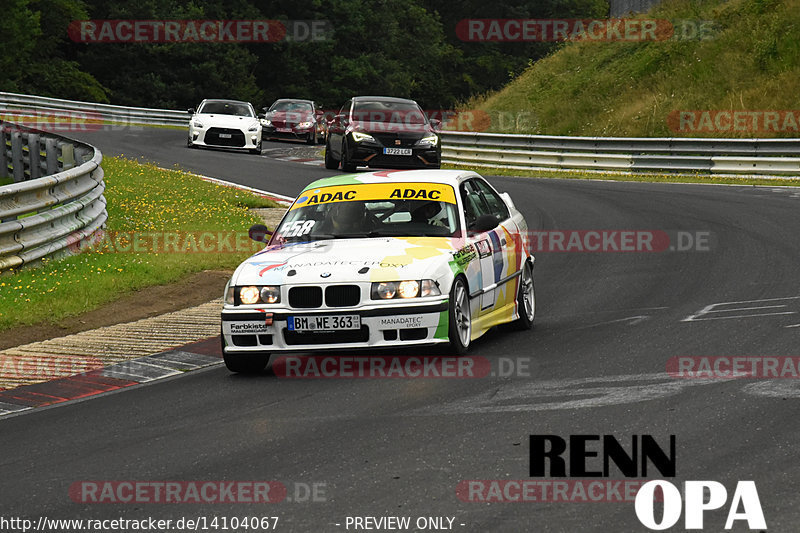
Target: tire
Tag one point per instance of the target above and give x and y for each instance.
(257, 149)
(460, 317)
(347, 166)
(243, 364)
(330, 162)
(526, 299)
(190, 144)
(312, 139)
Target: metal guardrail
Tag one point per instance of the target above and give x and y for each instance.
(705, 156)
(56, 201)
(32, 106)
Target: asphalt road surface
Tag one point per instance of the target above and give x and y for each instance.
(606, 326)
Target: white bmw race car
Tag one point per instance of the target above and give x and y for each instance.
(381, 259)
(225, 124)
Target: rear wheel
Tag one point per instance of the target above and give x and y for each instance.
(460, 327)
(526, 299)
(347, 166)
(330, 162)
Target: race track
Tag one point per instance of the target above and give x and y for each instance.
(595, 363)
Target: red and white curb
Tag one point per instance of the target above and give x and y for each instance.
(121, 375)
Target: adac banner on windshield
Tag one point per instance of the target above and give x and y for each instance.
(438, 192)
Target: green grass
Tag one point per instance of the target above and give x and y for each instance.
(750, 62)
(616, 176)
(6, 181)
(142, 199)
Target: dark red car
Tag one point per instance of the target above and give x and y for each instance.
(294, 119)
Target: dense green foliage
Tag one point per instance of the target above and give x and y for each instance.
(394, 47)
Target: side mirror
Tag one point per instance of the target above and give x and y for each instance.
(262, 116)
(436, 124)
(259, 233)
(191, 110)
(485, 223)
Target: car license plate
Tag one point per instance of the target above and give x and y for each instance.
(283, 130)
(302, 324)
(397, 151)
(224, 135)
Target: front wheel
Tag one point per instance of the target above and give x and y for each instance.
(330, 162)
(347, 166)
(526, 299)
(460, 327)
(311, 140)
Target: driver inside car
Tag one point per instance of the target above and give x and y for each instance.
(349, 218)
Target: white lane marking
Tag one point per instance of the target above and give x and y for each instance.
(773, 388)
(581, 393)
(793, 326)
(720, 308)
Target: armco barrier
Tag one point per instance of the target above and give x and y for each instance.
(26, 105)
(704, 156)
(56, 200)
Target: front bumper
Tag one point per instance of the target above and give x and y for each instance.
(225, 138)
(371, 155)
(245, 332)
(296, 134)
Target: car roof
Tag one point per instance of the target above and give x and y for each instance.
(294, 100)
(225, 101)
(448, 177)
(383, 99)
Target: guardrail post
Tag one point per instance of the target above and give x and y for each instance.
(17, 159)
(34, 156)
(51, 159)
(3, 153)
(67, 156)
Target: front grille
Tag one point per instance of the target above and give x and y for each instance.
(305, 297)
(342, 295)
(292, 338)
(213, 137)
(407, 140)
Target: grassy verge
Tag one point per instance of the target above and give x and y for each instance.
(613, 176)
(6, 181)
(143, 200)
(729, 55)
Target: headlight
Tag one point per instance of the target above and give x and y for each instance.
(254, 127)
(197, 124)
(266, 123)
(387, 290)
(270, 294)
(249, 295)
(304, 125)
(360, 137)
(408, 289)
(430, 140)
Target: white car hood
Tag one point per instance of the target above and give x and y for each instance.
(213, 120)
(349, 260)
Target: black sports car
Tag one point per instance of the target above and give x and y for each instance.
(382, 132)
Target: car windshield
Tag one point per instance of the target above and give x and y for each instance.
(292, 107)
(389, 112)
(371, 210)
(236, 109)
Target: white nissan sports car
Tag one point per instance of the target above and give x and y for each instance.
(225, 124)
(381, 259)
